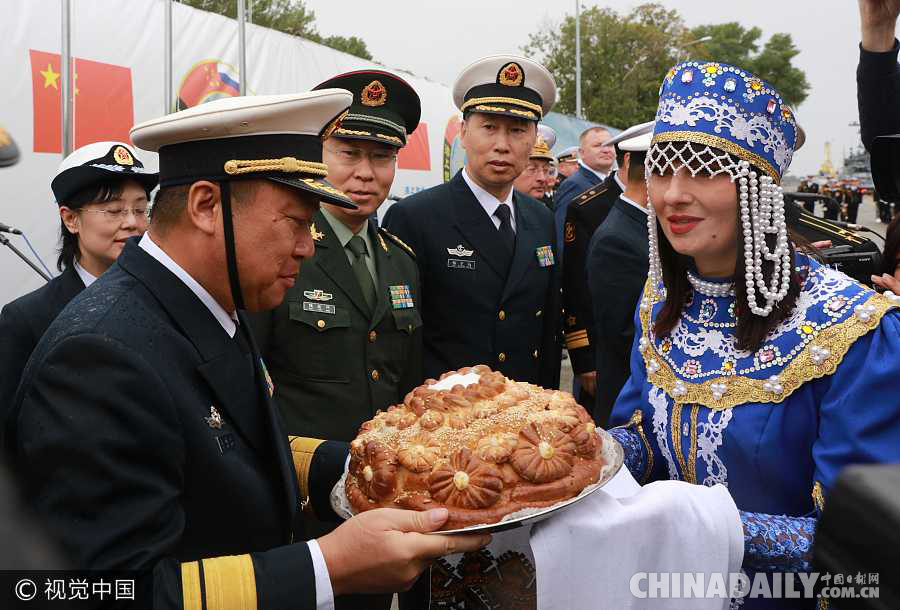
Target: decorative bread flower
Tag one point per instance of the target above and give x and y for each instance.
(431, 420)
(496, 448)
(480, 369)
(543, 453)
(565, 420)
(376, 472)
(415, 404)
(586, 439)
(459, 420)
(407, 418)
(419, 455)
(466, 481)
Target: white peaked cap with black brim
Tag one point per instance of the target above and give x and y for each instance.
(506, 85)
(273, 137)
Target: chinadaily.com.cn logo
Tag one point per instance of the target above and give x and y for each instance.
(690, 585)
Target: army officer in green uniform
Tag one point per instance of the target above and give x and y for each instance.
(347, 339)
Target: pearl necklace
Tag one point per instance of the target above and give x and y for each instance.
(710, 289)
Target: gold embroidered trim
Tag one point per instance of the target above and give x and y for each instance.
(525, 113)
(351, 132)
(837, 339)
(818, 497)
(692, 456)
(288, 165)
(676, 439)
(320, 186)
(501, 100)
(635, 422)
(396, 140)
(722, 144)
(398, 241)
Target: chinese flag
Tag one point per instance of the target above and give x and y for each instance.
(415, 155)
(103, 107)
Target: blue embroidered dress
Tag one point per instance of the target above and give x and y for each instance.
(776, 425)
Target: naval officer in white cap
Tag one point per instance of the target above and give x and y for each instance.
(487, 254)
(616, 264)
(144, 432)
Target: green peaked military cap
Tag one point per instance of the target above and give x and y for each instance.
(385, 107)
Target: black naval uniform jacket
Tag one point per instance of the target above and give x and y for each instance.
(145, 439)
(22, 324)
(332, 362)
(476, 311)
(617, 270)
(585, 213)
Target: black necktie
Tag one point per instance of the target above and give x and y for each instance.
(507, 235)
(361, 270)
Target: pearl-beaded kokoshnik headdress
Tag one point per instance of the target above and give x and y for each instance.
(718, 119)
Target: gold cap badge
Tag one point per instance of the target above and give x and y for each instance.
(374, 94)
(332, 126)
(122, 156)
(511, 75)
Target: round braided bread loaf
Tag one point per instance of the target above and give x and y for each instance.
(482, 449)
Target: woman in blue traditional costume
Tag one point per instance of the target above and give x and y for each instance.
(754, 366)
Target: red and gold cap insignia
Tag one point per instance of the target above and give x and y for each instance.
(374, 94)
(511, 75)
(333, 125)
(122, 156)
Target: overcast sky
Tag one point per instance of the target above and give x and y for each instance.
(437, 39)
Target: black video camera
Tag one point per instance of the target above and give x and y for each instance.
(850, 253)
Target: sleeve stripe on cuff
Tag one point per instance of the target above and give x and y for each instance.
(230, 583)
(190, 586)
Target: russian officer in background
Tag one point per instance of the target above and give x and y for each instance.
(347, 340)
(176, 462)
(585, 213)
(538, 179)
(487, 254)
(617, 263)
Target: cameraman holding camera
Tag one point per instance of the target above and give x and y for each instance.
(878, 87)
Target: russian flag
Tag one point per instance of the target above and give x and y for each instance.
(207, 80)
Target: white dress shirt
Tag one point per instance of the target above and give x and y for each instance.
(619, 182)
(600, 175)
(637, 205)
(85, 275)
(491, 203)
(324, 592)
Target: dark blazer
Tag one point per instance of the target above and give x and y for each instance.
(586, 212)
(568, 189)
(23, 322)
(617, 270)
(475, 310)
(145, 438)
(332, 361)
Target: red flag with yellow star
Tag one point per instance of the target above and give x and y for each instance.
(103, 108)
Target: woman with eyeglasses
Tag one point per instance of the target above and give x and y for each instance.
(103, 191)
